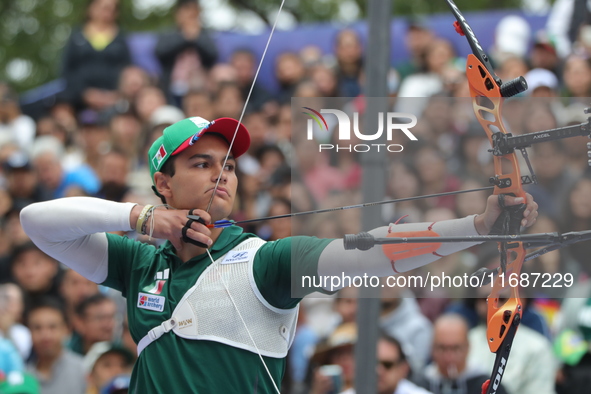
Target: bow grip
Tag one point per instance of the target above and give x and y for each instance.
(509, 221)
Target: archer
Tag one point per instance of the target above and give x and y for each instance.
(226, 297)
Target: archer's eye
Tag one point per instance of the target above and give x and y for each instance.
(201, 164)
(230, 167)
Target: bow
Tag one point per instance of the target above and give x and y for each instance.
(488, 92)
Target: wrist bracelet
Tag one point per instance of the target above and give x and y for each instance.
(147, 219)
(142, 218)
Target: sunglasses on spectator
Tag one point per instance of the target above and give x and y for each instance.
(389, 364)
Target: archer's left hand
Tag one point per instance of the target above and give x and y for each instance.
(485, 221)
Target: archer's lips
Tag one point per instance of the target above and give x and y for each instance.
(220, 190)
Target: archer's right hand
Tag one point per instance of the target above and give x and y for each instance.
(168, 224)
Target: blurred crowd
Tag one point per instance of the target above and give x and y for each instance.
(61, 333)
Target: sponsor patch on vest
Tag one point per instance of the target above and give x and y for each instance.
(185, 323)
(234, 257)
(150, 302)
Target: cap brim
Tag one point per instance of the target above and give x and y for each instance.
(227, 127)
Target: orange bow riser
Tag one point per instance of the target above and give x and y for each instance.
(488, 93)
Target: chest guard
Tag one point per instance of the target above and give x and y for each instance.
(223, 301)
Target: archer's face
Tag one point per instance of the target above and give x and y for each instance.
(197, 169)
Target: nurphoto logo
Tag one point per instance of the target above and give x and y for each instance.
(393, 123)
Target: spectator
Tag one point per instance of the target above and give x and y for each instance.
(95, 322)
(346, 304)
(402, 319)
(544, 55)
(512, 35)
(74, 288)
(94, 138)
(148, 100)
(245, 64)
(434, 176)
(541, 83)
(21, 181)
(131, 80)
(403, 182)
(439, 55)
(46, 154)
(269, 158)
(48, 126)
(14, 126)
(320, 178)
(449, 372)
(13, 233)
(58, 369)
(219, 74)
(94, 57)
(126, 131)
(279, 228)
(113, 172)
(103, 363)
(185, 53)
(227, 101)
(11, 316)
(336, 350)
(325, 80)
(260, 131)
(35, 272)
(417, 39)
(565, 21)
(393, 369)
(289, 70)
(198, 103)
(577, 77)
(349, 55)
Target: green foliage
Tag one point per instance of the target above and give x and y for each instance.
(33, 33)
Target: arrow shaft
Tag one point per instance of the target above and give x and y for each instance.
(220, 223)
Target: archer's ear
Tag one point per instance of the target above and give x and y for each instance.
(162, 183)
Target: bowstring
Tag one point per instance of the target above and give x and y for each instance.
(218, 182)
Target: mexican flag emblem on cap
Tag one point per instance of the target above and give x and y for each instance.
(160, 155)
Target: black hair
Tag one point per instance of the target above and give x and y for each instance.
(23, 248)
(167, 169)
(48, 302)
(86, 303)
(264, 149)
(183, 3)
(395, 342)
